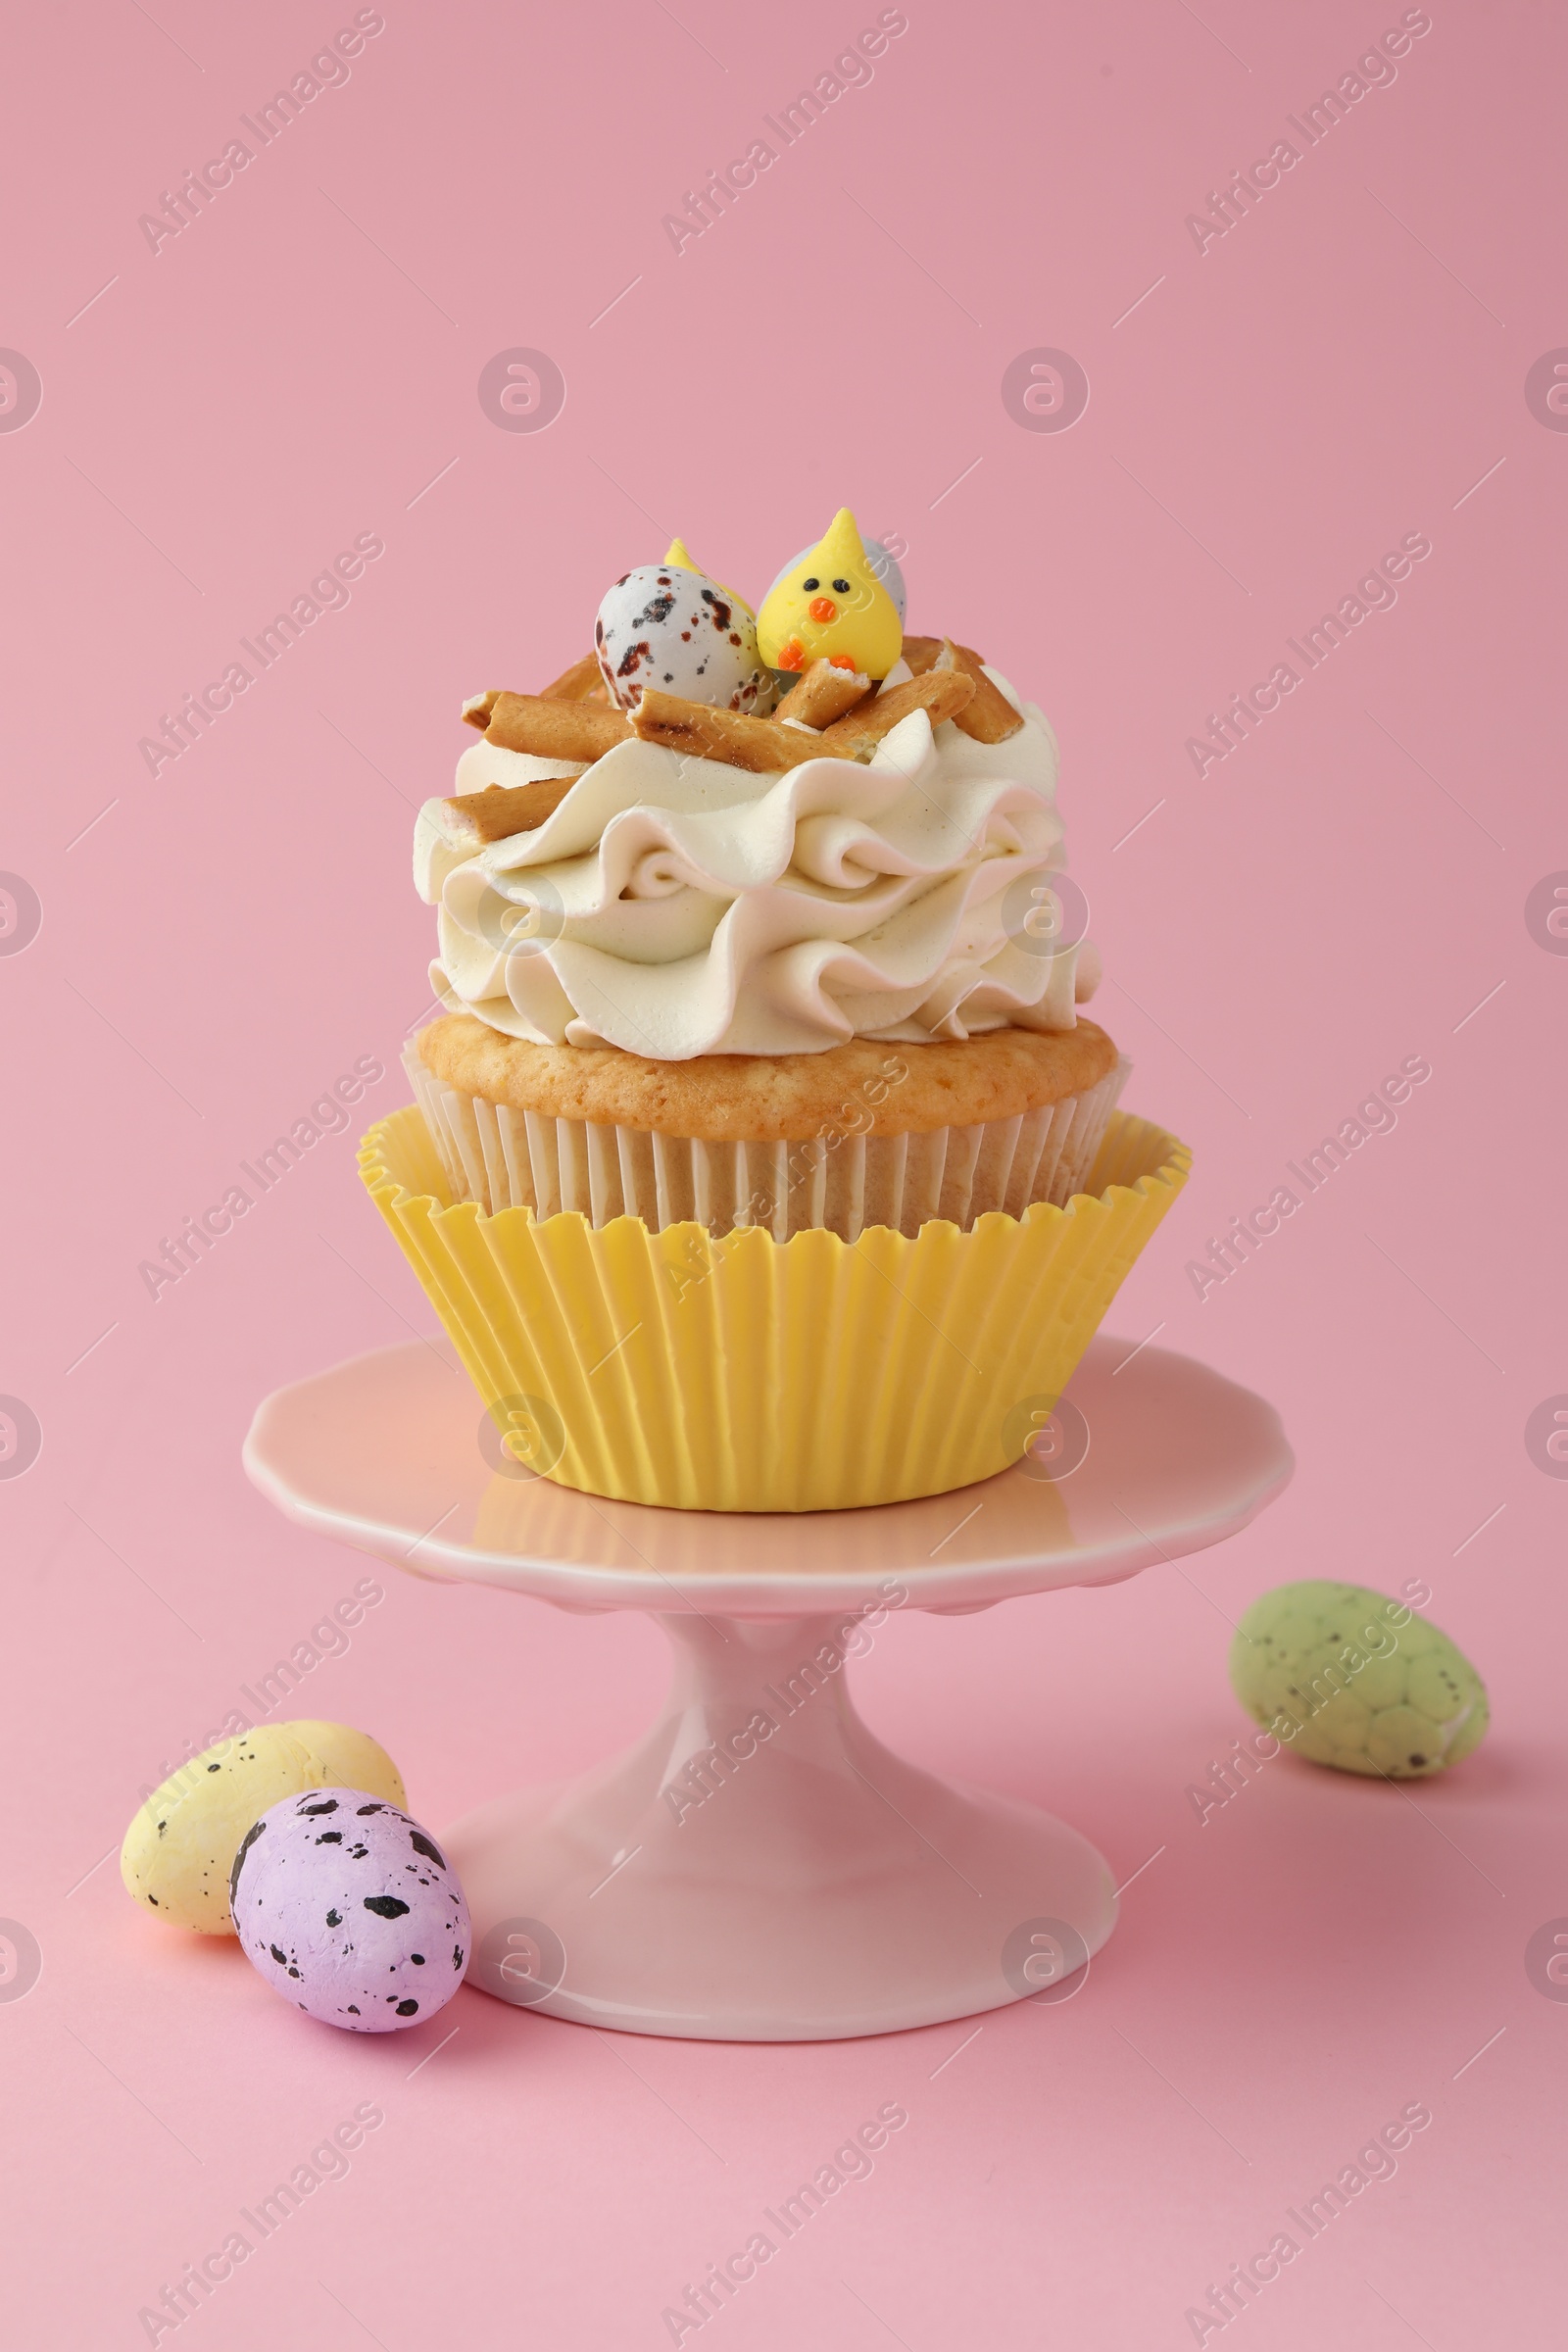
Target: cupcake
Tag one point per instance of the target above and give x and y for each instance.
(761, 1160)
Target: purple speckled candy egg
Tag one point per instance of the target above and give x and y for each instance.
(350, 1911)
(680, 631)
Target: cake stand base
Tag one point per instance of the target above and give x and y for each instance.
(761, 1867)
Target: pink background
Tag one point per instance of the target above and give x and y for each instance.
(220, 942)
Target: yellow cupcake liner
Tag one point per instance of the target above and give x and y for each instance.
(746, 1374)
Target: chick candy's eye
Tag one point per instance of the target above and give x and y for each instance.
(810, 583)
(841, 586)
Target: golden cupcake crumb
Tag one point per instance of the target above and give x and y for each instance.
(747, 1098)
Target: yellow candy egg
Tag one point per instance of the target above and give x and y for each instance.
(182, 1845)
(831, 604)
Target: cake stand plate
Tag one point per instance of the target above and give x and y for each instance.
(760, 1867)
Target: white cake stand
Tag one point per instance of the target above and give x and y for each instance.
(758, 1867)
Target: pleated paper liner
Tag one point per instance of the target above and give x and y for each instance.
(746, 1374)
(507, 1159)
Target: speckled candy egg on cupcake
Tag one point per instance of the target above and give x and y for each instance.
(350, 1910)
(668, 626)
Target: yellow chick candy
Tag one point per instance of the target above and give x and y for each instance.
(831, 602)
(678, 560)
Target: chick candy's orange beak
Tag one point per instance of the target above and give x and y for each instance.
(822, 608)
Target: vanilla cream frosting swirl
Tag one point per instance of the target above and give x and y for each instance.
(675, 907)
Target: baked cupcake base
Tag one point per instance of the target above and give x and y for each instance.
(864, 1135)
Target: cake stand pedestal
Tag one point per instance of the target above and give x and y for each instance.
(760, 1867)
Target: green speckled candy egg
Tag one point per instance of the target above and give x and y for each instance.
(1346, 1676)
